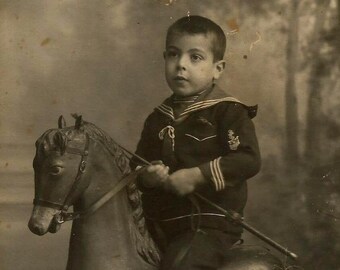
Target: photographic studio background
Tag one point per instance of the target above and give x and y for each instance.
(103, 59)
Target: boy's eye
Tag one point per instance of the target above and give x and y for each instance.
(196, 57)
(171, 54)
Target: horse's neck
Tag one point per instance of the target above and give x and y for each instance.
(102, 240)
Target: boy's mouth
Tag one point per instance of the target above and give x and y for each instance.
(180, 78)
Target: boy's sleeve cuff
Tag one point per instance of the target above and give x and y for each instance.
(212, 172)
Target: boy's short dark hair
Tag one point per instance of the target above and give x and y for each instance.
(200, 25)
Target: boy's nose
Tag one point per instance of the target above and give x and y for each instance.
(182, 63)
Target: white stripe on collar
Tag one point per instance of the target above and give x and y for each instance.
(167, 110)
(207, 103)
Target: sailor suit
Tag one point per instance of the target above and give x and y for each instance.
(214, 133)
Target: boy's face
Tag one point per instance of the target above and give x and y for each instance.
(189, 63)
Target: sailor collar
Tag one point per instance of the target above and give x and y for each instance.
(211, 98)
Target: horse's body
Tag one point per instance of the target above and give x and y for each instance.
(114, 236)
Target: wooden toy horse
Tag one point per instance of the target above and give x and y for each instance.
(77, 166)
(80, 166)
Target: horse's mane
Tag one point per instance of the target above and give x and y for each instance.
(145, 246)
(143, 241)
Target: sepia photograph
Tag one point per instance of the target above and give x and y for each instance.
(170, 134)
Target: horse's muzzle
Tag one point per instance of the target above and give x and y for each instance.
(41, 220)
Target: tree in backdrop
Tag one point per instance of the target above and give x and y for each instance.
(292, 148)
(322, 135)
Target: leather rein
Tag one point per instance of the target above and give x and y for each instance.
(64, 215)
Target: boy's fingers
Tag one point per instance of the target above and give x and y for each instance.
(153, 168)
(157, 168)
(164, 173)
(156, 162)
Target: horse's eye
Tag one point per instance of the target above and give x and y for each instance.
(55, 170)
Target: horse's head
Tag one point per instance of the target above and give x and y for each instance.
(61, 173)
(64, 168)
(59, 165)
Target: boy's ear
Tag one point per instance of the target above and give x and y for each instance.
(219, 68)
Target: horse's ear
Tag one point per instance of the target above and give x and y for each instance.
(79, 122)
(61, 122)
(74, 115)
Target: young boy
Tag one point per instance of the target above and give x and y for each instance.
(200, 140)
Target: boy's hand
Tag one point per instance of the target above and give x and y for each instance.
(184, 181)
(154, 175)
